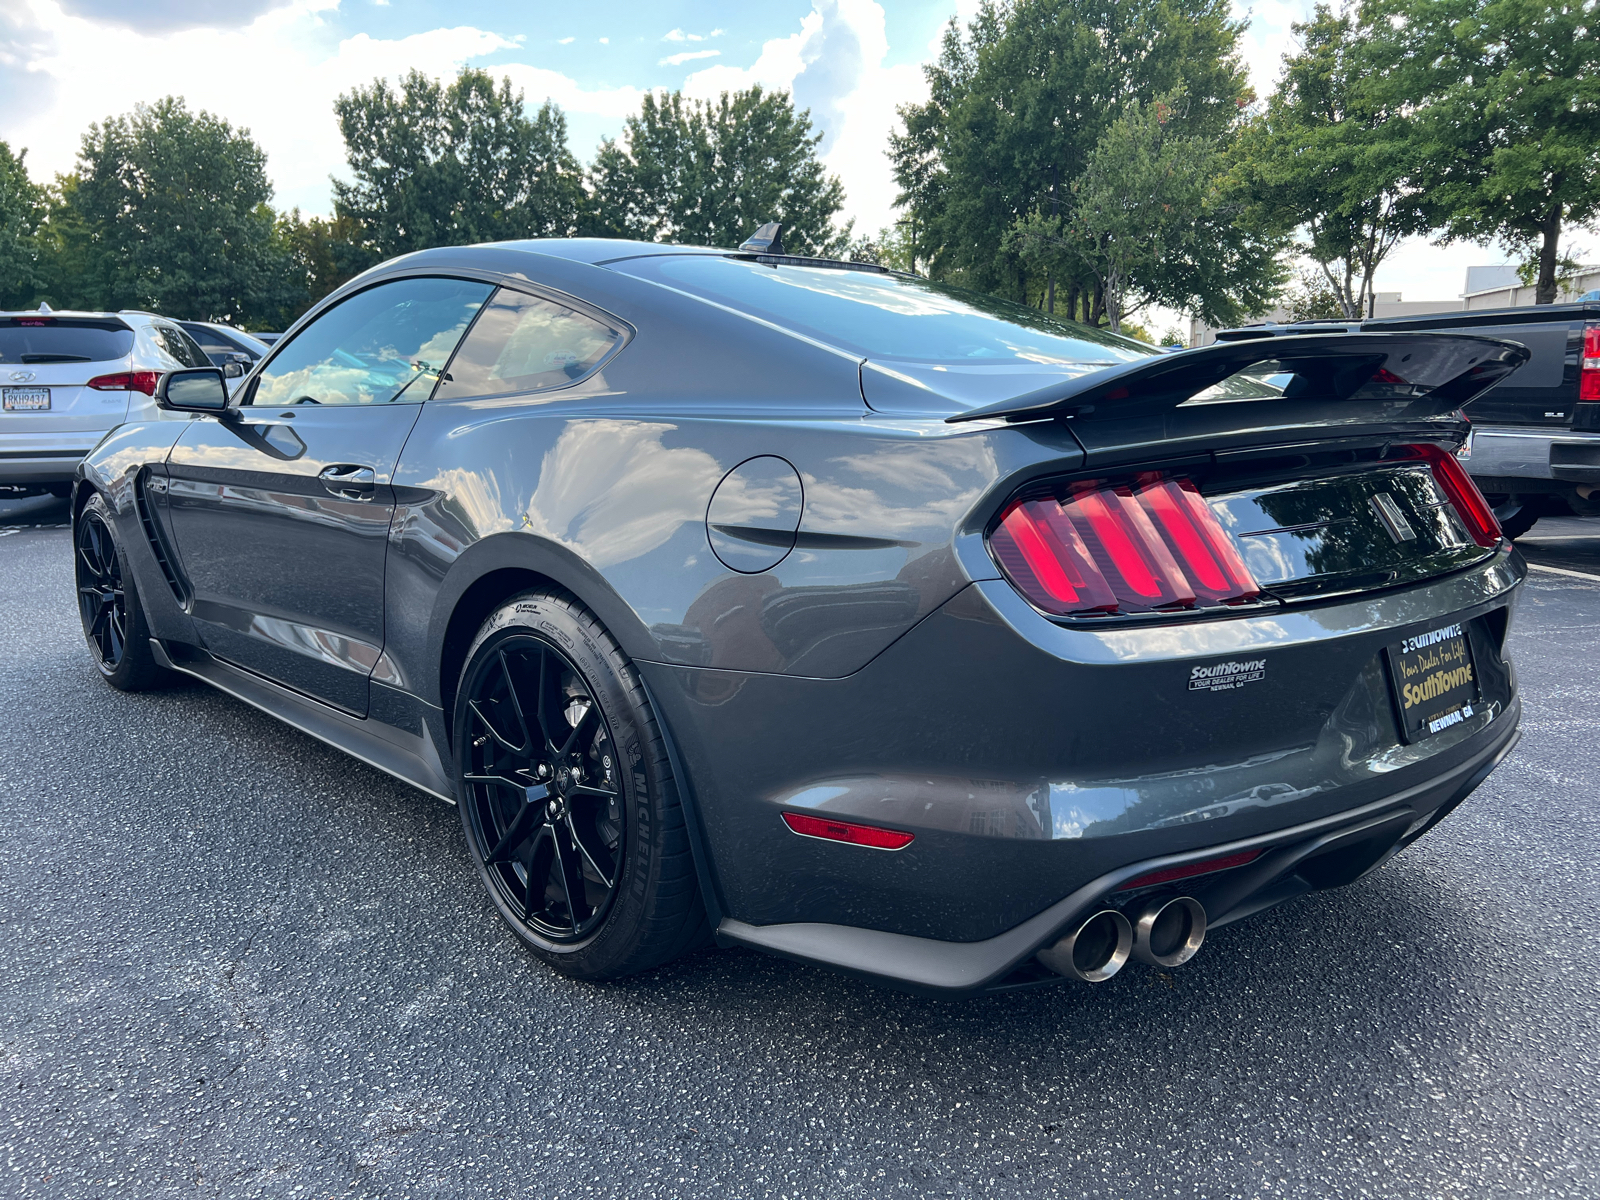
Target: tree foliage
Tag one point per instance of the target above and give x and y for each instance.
(438, 165)
(168, 210)
(1503, 102)
(21, 209)
(709, 173)
(1149, 222)
(1019, 104)
(1327, 159)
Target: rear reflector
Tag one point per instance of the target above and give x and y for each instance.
(1188, 870)
(1463, 494)
(1151, 543)
(845, 831)
(1589, 374)
(127, 381)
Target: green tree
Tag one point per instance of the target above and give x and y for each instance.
(440, 165)
(21, 210)
(1327, 159)
(1150, 223)
(1503, 98)
(319, 256)
(709, 173)
(166, 211)
(1018, 105)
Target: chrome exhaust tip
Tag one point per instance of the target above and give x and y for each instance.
(1093, 952)
(1168, 933)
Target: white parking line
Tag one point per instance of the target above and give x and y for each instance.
(1564, 571)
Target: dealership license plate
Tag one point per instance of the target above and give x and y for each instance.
(1435, 683)
(25, 399)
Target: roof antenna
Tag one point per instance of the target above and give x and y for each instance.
(766, 240)
(44, 308)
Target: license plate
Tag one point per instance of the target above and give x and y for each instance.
(25, 399)
(1435, 685)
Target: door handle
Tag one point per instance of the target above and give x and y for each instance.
(348, 480)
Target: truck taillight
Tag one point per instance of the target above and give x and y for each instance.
(1145, 544)
(1463, 494)
(1589, 374)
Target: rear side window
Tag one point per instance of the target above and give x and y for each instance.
(181, 346)
(44, 340)
(524, 344)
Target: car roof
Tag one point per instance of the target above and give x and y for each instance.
(597, 250)
(137, 315)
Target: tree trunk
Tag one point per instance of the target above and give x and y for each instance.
(1545, 293)
(1072, 299)
(1098, 307)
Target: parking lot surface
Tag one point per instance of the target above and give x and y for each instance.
(238, 963)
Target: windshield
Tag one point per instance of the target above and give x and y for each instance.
(889, 316)
(49, 340)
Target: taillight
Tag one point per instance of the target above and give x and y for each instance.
(127, 381)
(1146, 544)
(1463, 494)
(1589, 374)
(848, 831)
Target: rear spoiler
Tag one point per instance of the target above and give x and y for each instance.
(1442, 371)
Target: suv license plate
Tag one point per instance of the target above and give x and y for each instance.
(25, 399)
(1435, 685)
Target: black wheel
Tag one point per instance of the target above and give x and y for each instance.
(1518, 518)
(570, 809)
(108, 602)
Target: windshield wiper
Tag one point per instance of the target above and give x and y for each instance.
(54, 358)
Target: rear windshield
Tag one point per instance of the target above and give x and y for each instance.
(31, 341)
(888, 316)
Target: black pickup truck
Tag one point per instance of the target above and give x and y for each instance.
(1535, 446)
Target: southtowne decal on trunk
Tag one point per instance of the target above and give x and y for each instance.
(1223, 677)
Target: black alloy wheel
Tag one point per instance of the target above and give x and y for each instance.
(542, 781)
(108, 601)
(102, 599)
(568, 800)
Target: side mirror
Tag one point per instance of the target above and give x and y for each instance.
(193, 389)
(232, 370)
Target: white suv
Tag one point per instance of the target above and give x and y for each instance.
(66, 378)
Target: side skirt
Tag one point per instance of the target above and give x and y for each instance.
(408, 757)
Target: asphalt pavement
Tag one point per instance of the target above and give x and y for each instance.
(234, 962)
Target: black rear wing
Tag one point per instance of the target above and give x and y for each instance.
(1356, 387)
(1422, 374)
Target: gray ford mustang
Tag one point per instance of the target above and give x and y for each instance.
(810, 607)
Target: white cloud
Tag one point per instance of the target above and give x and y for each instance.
(278, 77)
(566, 41)
(834, 66)
(677, 60)
(678, 35)
(605, 41)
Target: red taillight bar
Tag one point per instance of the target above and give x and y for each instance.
(1462, 493)
(846, 831)
(1115, 547)
(1189, 870)
(127, 381)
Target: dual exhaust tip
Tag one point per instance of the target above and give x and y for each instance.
(1166, 932)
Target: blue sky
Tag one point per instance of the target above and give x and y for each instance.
(276, 66)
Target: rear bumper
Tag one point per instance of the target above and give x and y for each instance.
(39, 467)
(1504, 454)
(1329, 852)
(1033, 760)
